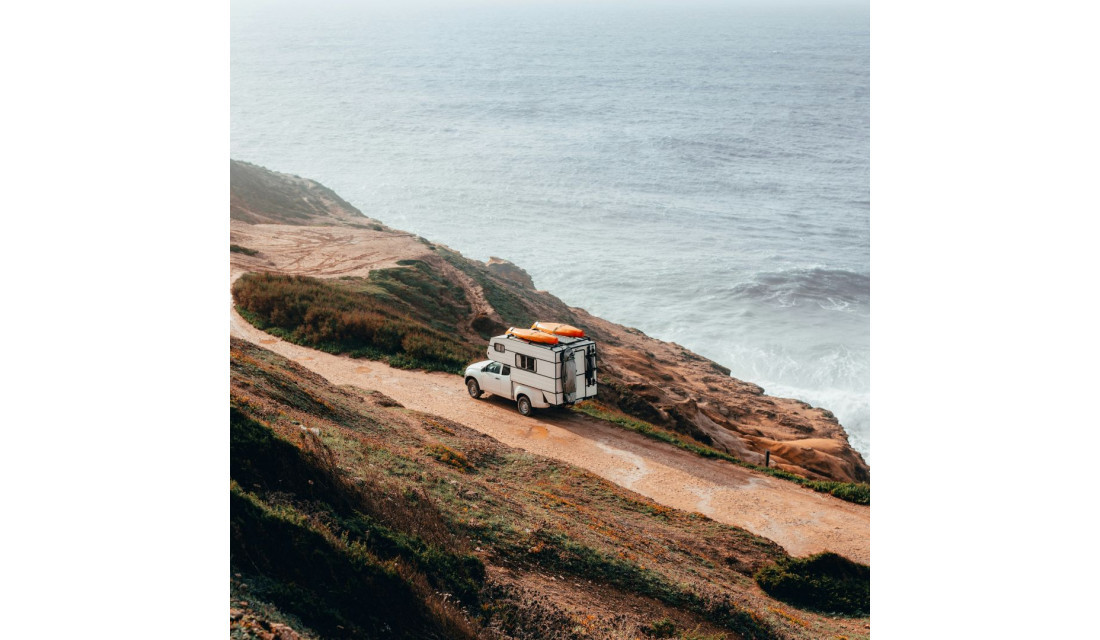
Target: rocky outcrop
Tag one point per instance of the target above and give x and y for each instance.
(504, 269)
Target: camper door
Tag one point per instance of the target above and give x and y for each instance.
(569, 376)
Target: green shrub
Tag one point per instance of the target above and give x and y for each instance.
(824, 582)
(663, 628)
(360, 317)
(236, 248)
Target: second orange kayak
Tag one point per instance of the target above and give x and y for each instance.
(533, 336)
(559, 329)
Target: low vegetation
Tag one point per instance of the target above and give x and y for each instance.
(858, 493)
(236, 248)
(394, 315)
(355, 517)
(825, 582)
(507, 300)
(257, 195)
(409, 316)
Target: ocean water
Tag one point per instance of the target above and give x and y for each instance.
(698, 172)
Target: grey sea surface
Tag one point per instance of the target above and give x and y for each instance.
(698, 172)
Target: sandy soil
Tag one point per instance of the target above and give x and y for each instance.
(800, 520)
(329, 251)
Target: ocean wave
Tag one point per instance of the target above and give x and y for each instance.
(830, 289)
(817, 366)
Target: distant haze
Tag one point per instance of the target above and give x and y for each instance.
(699, 172)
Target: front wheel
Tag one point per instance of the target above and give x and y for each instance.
(473, 387)
(524, 406)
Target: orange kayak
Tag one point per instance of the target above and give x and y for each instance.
(533, 336)
(559, 329)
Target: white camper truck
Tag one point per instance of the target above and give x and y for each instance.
(536, 374)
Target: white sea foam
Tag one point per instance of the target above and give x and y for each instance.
(833, 304)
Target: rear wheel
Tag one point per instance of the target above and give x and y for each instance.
(524, 406)
(474, 388)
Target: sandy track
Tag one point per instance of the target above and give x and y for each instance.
(800, 520)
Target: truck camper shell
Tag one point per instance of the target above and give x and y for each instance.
(561, 373)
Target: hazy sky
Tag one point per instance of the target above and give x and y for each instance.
(402, 6)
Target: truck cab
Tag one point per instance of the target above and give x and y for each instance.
(496, 378)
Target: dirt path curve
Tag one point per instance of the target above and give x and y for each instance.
(800, 520)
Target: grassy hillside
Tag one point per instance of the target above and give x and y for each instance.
(394, 315)
(258, 195)
(354, 517)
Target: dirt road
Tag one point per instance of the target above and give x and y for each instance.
(800, 520)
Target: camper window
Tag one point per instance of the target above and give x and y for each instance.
(525, 362)
(499, 347)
